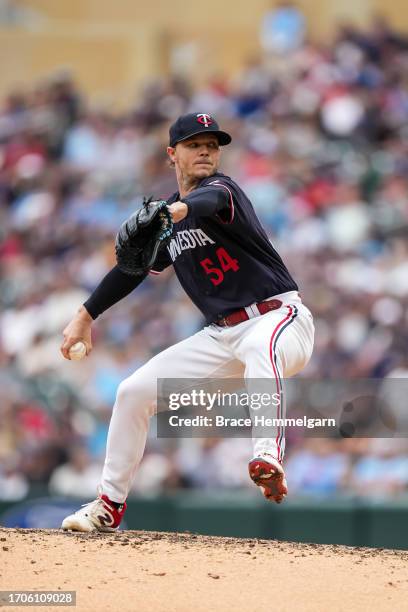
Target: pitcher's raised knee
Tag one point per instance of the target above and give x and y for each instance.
(136, 393)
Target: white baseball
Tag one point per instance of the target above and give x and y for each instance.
(77, 351)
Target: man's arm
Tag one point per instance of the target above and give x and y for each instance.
(207, 201)
(114, 287)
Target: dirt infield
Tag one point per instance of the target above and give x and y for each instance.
(155, 572)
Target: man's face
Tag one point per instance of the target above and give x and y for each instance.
(197, 157)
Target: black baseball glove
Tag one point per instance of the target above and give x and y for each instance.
(142, 235)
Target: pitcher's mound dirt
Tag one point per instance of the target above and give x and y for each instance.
(164, 572)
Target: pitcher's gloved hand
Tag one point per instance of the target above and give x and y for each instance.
(142, 235)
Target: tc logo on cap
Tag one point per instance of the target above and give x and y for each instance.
(205, 119)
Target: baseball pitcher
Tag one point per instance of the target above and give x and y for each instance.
(256, 324)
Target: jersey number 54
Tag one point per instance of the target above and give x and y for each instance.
(226, 263)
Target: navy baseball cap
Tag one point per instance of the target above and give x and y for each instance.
(196, 123)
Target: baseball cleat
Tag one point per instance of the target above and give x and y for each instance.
(267, 473)
(98, 515)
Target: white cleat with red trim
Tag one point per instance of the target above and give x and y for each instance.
(98, 515)
(267, 473)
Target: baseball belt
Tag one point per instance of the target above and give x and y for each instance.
(241, 315)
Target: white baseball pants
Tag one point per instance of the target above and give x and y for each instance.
(275, 346)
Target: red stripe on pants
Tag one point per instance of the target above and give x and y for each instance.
(276, 373)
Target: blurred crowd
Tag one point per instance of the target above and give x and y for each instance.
(320, 145)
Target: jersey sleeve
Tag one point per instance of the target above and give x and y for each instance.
(213, 198)
(162, 262)
(226, 215)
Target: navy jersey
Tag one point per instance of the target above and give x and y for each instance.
(224, 261)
